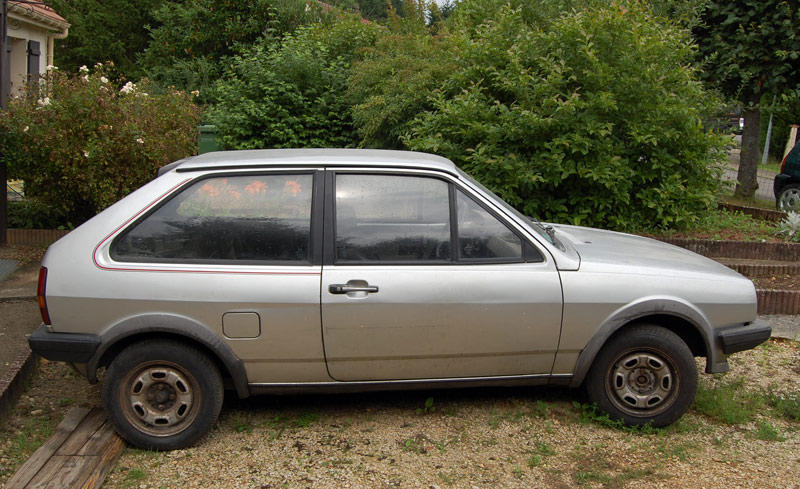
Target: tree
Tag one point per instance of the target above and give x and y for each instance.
(594, 120)
(749, 48)
(191, 39)
(111, 30)
(292, 93)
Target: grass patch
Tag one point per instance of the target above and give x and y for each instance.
(767, 432)
(727, 402)
(590, 413)
(721, 224)
(306, 419)
(786, 405)
(241, 423)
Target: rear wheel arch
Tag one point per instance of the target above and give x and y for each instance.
(168, 327)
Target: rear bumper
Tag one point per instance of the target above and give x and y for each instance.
(63, 347)
(744, 337)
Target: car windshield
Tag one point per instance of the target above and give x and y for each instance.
(547, 232)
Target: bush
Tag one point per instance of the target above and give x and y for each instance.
(32, 214)
(596, 120)
(80, 144)
(292, 94)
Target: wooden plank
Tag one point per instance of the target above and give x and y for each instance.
(83, 432)
(79, 454)
(108, 459)
(64, 471)
(97, 444)
(34, 464)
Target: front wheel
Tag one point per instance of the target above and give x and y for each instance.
(162, 394)
(645, 374)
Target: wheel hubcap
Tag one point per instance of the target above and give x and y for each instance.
(160, 399)
(790, 200)
(641, 381)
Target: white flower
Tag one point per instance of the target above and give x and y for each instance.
(51, 68)
(98, 65)
(25, 129)
(104, 79)
(83, 69)
(86, 153)
(140, 140)
(128, 88)
(196, 93)
(85, 78)
(44, 101)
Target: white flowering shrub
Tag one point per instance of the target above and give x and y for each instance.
(80, 143)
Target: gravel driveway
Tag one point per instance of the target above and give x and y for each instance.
(485, 438)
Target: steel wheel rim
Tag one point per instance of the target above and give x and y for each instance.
(790, 200)
(160, 398)
(642, 382)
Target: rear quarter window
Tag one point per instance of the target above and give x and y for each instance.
(226, 219)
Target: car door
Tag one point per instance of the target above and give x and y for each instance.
(423, 280)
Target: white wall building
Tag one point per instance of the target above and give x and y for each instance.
(32, 27)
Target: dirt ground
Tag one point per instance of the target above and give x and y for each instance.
(778, 282)
(19, 320)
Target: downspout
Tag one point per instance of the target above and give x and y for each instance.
(50, 37)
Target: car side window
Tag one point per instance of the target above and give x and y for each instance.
(481, 236)
(226, 218)
(393, 218)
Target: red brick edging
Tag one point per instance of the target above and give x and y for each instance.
(34, 237)
(778, 301)
(756, 212)
(751, 250)
(13, 382)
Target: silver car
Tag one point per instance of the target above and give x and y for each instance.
(338, 270)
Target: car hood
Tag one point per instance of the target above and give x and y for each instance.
(599, 249)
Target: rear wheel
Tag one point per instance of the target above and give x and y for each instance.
(645, 374)
(162, 394)
(789, 198)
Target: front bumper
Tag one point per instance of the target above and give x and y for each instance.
(63, 347)
(744, 337)
(780, 181)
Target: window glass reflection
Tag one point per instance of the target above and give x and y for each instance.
(255, 217)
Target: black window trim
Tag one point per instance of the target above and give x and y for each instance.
(315, 234)
(530, 252)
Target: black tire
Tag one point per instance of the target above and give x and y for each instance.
(644, 374)
(162, 394)
(789, 198)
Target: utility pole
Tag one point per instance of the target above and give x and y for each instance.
(5, 86)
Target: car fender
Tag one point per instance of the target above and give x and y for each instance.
(642, 308)
(173, 325)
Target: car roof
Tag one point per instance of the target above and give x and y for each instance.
(261, 158)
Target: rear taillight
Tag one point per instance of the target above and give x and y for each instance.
(40, 295)
(783, 163)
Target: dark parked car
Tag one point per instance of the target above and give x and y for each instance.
(787, 182)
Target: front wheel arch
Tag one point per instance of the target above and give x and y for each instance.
(674, 315)
(645, 374)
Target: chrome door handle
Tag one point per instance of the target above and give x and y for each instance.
(344, 288)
